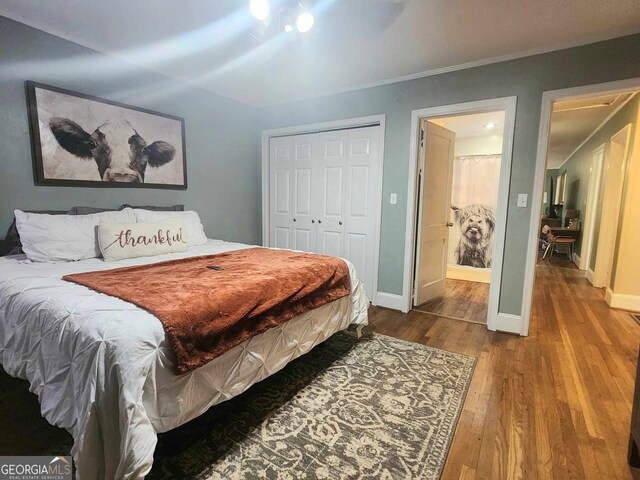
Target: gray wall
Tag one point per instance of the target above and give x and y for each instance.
(526, 78)
(221, 135)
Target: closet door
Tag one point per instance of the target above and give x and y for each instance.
(324, 195)
(362, 174)
(331, 148)
(280, 204)
(303, 234)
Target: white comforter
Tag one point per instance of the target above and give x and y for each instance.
(102, 367)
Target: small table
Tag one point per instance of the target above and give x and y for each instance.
(565, 232)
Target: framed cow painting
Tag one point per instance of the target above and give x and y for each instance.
(80, 140)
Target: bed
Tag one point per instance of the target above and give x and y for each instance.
(102, 368)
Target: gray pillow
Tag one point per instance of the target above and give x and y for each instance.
(90, 210)
(12, 245)
(5, 247)
(173, 208)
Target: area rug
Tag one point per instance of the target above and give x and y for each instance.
(369, 408)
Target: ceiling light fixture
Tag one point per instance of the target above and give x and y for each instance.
(259, 9)
(286, 21)
(304, 22)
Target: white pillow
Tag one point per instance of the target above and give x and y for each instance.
(192, 224)
(63, 238)
(130, 240)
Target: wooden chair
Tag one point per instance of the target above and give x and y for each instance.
(554, 241)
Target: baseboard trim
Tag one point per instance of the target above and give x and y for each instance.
(576, 260)
(390, 300)
(590, 274)
(622, 300)
(469, 274)
(507, 322)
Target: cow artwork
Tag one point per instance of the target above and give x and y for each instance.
(121, 154)
(82, 141)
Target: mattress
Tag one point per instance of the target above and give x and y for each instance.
(102, 368)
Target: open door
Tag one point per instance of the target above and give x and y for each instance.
(436, 172)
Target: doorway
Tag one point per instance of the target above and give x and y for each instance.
(458, 194)
(457, 224)
(590, 136)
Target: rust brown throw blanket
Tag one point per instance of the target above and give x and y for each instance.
(206, 312)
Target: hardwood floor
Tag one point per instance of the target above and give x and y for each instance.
(557, 260)
(553, 405)
(462, 300)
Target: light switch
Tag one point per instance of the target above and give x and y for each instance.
(522, 200)
(393, 198)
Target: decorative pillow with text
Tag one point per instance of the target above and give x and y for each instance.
(130, 240)
(194, 231)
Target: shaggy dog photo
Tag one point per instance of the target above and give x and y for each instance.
(476, 223)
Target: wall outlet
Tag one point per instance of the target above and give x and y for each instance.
(393, 198)
(522, 200)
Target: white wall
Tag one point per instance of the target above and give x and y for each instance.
(489, 145)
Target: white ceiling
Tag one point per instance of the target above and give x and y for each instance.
(572, 121)
(474, 125)
(353, 44)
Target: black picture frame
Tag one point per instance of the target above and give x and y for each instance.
(36, 142)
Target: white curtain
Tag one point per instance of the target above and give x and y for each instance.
(475, 181)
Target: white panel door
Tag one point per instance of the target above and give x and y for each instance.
(331, 148)
(303, 191)
(362, 176)
(280, 187)
(324, 195)
(435, 206)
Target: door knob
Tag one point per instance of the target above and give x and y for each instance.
(319, 221)
(313, 221)
(340, 222)
(294, 219)
(449, 224)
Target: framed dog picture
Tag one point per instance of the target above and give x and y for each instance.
(84, 141)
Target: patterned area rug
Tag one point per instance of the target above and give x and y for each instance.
(374, 408)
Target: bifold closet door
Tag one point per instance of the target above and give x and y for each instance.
(349, 172)
(291, 193)
(331, 162)
(280, 217)
(324, 195)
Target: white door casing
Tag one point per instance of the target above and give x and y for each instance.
(434, 212)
